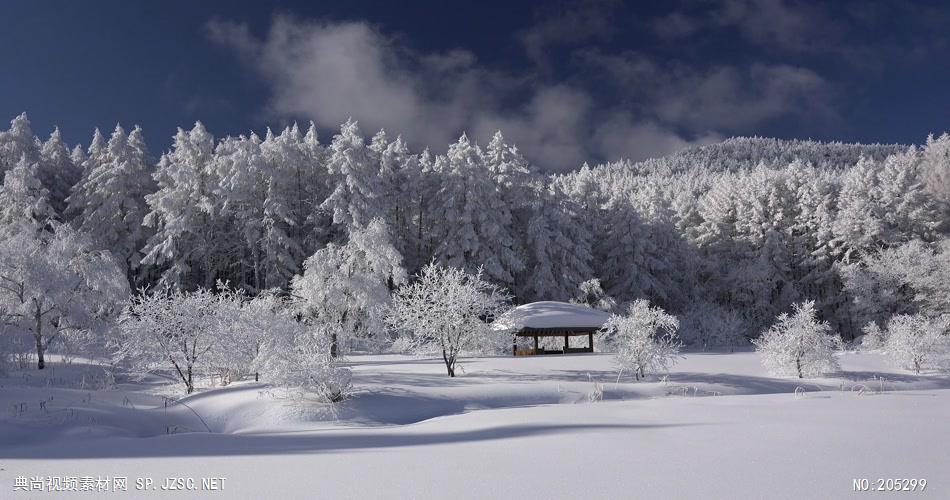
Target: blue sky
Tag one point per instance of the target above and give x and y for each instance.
(567, 82)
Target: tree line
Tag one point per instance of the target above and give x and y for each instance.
(727, 236)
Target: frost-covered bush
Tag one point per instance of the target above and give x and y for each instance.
(645, 339)
(708, 325)
(798, 344)
(916, 342)
(243, 325)
(448, 311)
(297, 357)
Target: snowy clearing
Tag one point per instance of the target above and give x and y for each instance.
(717, 427)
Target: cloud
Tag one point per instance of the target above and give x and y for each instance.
(330, 71)
(618, 136)
(715, 99)
(579, 22)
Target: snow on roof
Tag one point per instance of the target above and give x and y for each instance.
(551, 314)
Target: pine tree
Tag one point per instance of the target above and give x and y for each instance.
(559, 249)
(24, 202)
(109, 202)
(16, 143)
(57, 171)
(355, 200)
(477, 223)
(183, 213)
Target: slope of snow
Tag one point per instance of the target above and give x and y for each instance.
(716, 427)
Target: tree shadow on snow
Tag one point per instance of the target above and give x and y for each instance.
(197, 444)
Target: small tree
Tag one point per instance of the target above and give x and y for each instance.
(799, 344)
(448, 310)
(916, 342)
(170, 329)
(645, 339)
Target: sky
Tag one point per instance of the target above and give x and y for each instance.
(568, 82)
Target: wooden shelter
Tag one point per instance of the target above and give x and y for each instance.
(553, 319)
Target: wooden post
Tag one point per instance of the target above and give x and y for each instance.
(535, 344)
(590, 341)
(566, 344)
(514, 345)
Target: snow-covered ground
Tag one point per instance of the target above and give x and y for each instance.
(716, 427)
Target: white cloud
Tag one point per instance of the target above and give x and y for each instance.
(330, 71)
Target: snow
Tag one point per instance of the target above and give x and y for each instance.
(550, 314)
(716, 427)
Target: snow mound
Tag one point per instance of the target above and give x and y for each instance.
(550, 314)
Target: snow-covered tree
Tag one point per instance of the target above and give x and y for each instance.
(591, 294)
(109, 202)
(170, 330)
(245, 324)
(297, 357)
(558, 248)
(182, 213)
(644, 338)
(242, 195)
(799, 344)
(706, 324)
(57, 171)
(57, 285)
(448, 311)
(356, 199)
(906, 279)
(874, 336)
(345, 288)
(24, 202)
(16, 143)
(631, 258)
(935, 169)
(916, 342)
(476, 229)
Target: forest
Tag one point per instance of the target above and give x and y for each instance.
(726, 237)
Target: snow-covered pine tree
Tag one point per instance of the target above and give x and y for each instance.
(559, 249)
(288, 182)
(183, 213)
(628, 256)
(241, 191)
(935, 170)
(16, 143)
(356, 198)
(57, 171)
(109, 202)
(476, 223)
(399, 176)
(311, 188)
(24, 202)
